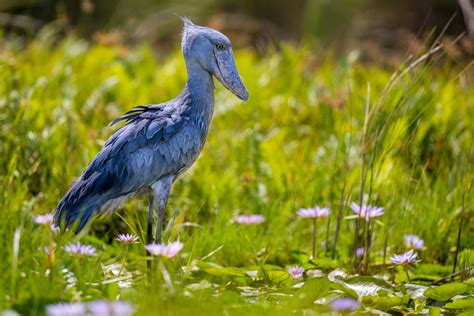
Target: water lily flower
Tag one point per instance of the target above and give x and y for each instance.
(45, 219)
(127, 239)
(61, 309)
(314, 212)
(55, 229)
(359, 252)
(414, 242)
(94, 308)
(249, 219)
(404, 258)
(99, 308)
(121, 308)
(168, 251)
(47, 249)
(367, 211)
(115, 308)
(344, 305)
(296, 272)
(80, 249)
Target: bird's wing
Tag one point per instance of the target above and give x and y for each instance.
(132, 158)
(137, 112)
(147, 127)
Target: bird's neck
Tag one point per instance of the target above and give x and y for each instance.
(200, 85)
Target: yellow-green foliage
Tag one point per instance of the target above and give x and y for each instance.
(298, 141)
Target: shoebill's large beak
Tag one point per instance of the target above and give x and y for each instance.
(227, 74)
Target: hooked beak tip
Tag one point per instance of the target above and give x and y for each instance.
(243, 96)
(231, 80)
(238, 90)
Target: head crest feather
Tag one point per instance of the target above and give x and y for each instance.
(186, 21)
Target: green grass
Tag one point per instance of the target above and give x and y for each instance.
(315, 131)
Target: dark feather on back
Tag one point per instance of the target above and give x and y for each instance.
(135, 112)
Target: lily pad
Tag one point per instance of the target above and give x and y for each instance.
(416, 291)
(461, 304)
(203, 285)
(446, 291)
(276, 277)
(343, 288)
(386, 303)
(215, 269)
(366, 285)
(311, 291)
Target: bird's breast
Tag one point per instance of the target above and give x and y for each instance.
(182, 150)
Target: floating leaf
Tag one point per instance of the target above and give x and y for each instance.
(416, 291)
(250, 291)
(215, 269)
(311, 291)
(446, 291)
(320, 309)
(386, 303)
(463, 303)
(203, 285)
(279, 277)
(343, 288)
(366, 285)
(276, 275)
(434, 311)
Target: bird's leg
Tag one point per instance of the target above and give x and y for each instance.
(159, 224)
(149, 226)
(162, 201)
(161, 190)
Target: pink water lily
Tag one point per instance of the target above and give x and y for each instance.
(404, 258)
(344, 305)
(314, 212)
(249, 219)
(414, 242)
(54, 228)
(115, 308)
(296, 272)
(168, 251)
(127, 238)
(367, 211)
(45, 219)
(61, 309)
(94, 308)
(359, 252)
(79, 249)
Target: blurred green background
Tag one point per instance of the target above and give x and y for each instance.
(381, 30)
(341, 110)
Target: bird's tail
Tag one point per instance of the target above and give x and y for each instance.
(78, 205)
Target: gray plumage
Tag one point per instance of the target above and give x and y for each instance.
(158, 142)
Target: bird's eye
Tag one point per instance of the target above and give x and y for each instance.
(219, 46)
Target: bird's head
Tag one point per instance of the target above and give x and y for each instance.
(212, 51)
